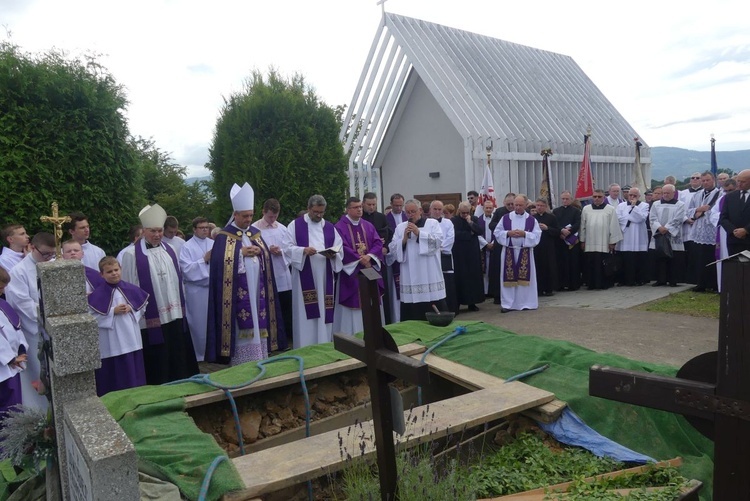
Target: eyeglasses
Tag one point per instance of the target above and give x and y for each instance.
(633, 196)
(46, 255)
(597, 196)
(695, 177)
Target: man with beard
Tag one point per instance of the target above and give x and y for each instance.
(416, 247)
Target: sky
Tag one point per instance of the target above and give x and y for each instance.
(678, 71)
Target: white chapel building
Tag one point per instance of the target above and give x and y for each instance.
(431, 100)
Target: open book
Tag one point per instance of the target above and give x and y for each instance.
(334, 249)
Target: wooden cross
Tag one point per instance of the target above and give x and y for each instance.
(380, 353)
(58, 222)
(719, 398)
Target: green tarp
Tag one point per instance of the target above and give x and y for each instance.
(166, 437)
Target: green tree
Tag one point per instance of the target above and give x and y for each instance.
(164, 183)
(276, 135)
(64, 138)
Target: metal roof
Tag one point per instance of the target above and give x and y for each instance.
(488, 88)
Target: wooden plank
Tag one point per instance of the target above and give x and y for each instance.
(297, 462)
(563, 487)
(291, 378)
(547, 413)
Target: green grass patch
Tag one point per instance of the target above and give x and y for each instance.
(695, 304)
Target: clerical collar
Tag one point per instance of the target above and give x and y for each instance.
(598, 207)
(673, 201)
(150, 246)
(420, 223)
(693, 190)
(438, 219)
(352, 220)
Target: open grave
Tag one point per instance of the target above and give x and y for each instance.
(458, 399)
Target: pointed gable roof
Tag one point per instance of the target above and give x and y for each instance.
(488, 88)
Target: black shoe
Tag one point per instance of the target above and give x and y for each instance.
(496, 301)
(551, 293)
(504, 310)
(673, 284)
(473, 307)
(658, 284)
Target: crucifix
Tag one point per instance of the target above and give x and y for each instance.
(711, 390)
(380, 353)
(58, 221)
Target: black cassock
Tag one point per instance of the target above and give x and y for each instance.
(467, 261)
(568, 259)
(545, 257)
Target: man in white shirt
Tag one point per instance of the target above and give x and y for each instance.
(14, 235)
(80, 231)
(194, 259)
(171, 228)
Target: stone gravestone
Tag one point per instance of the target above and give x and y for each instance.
(97, 461)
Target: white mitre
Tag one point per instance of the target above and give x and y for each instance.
(153, 216)
(242, 198)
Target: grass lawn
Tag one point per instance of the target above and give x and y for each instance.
(696, 304)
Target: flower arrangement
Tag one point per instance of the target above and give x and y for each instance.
(27, 437)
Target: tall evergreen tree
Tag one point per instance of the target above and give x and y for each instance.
(276, 135)
(64, 138)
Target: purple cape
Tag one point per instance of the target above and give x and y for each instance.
(221, 328)
(100, 299)
(13, 317)
(358, 240)
(93, 277)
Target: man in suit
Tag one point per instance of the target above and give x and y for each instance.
(735, 215)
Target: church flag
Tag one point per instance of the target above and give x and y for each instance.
(714, 165)
(639, 180)
(546, 191)
(487, 191)
(585, 186)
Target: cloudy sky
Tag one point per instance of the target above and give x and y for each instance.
(677, 71)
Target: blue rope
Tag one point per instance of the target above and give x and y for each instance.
(206, 379)
(528, 373)
(461, 329)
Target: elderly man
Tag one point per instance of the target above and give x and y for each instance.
(703, 233)
(467, 260)
(416, 246)
(633, 216)
(395, 217)
(446, 253)
(494, 266)
(315, 251)
(600, 231)
(243, 309)
(666, 218)
(544, 253)
(568, 250)
(487, 241)
(14, 235)
(363, 248)
(721, 178)
(735, 215)
(23, 295)
(194, 259)
(274, 234)
(518, 232)
(168, 352)
(613, 198)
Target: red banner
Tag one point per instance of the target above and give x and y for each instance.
(585, 186)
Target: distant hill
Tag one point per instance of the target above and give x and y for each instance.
(193, 180)
(680, 162)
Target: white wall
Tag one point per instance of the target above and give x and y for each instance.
(424, 141)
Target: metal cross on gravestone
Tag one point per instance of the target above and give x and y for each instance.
(380, 353)
(712, 390)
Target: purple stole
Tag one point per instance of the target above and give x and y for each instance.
(571, 240)
(235, 285)
(94, 278)
(13, 317)
(349, 284)
(307, 281)
(396, 266)
(153, 324)
(517, 271)
(100, 300)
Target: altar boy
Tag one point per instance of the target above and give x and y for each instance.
(117, 307)
(12, 352)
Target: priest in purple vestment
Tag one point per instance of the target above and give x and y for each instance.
(244, 313)
(363, 248)
(152, 265)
